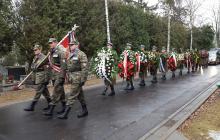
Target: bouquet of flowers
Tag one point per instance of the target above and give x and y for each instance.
(104, 63)
(127, 64)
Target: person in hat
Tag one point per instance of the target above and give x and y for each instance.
(40, 77)
(172, 63)
(163, 63)
(127, 66)
(180, 61)
(141, 64)
(153, 63)
(110, 69)
(77, 71)
(57, 63)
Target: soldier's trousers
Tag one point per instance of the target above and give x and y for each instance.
(58, 91)
(76, 92)
(42, 90)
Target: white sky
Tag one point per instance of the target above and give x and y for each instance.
(204, 14)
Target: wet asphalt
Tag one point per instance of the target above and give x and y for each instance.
(126, 116)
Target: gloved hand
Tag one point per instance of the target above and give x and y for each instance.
(82, 84)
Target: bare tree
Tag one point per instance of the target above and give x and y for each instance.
(192, 7)
(216, 16)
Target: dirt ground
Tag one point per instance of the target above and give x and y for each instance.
(25, 94)
(206, 118)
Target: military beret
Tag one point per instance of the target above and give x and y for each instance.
(142, 46)
(154, 48)
(37, 46)
(52, 40)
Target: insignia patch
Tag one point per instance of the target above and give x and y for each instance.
(75, 58)
(55, 55)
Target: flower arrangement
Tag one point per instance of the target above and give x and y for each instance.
(127, 64)
(104, 63)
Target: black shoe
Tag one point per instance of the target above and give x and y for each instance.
(48, 106)
(163, 77)
(131, 88)
(31, 107)
(173, 75)
(127, 87)
(103, 93)
(181, 73)
(65, 113)
(142, 83)
(50, 111)
(63, 108)
(112, 93)
(154, 80)
(84, 112)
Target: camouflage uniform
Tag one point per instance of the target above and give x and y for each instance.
(57, 58)
(77, 71)
(77, 67)
(40, 77)
(163, 63)
(57, 64)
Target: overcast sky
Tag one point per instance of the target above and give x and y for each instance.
(204, 13)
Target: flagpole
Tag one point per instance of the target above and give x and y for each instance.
(107, 21)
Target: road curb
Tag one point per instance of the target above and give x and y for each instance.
(165, 129)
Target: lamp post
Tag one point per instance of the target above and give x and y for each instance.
(107, 21)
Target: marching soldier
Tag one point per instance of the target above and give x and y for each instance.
(153, 63)
(58, 72)
(40, 78)
(112, 78)
(172, 63)
(77, 71)
(143, 64)
(163, 63)
(129, 66)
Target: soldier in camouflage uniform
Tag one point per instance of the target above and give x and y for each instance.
(40, 77)
(153, 63)
(163, 63)
(113, 77)
(77, 71)
(58, 72)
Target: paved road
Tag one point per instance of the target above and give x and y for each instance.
(127, 116)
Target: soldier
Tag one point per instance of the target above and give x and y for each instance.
(111, 80)
(127, 65)
(153, 63)
(163, 63)
(180, 61)
(40, 77)
(77, 71)
(172, 63)
(142, 66)
(58, 72)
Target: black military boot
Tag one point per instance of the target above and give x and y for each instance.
(84, 112)
(31, 106)
(154, 80)
(63, 108)
(127, 86)
(65, 113)
(112, 91)
(50, 111)
(181, 73)
(132, 86)
(163, 77)
(105, 90)
(173, 75)
(48, 106)
(142, 83)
